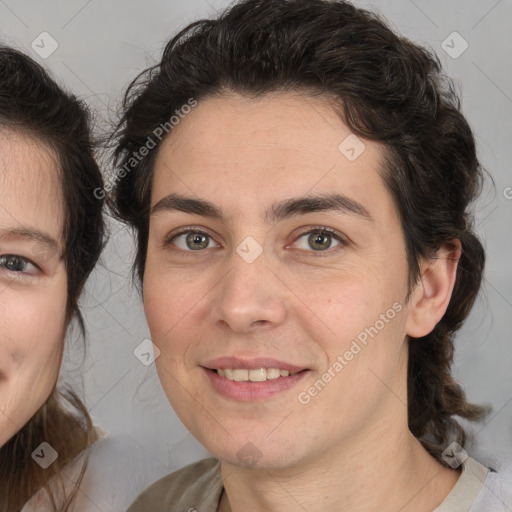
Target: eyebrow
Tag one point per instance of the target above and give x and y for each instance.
(277, 212)
(29, 234)
(309, 204)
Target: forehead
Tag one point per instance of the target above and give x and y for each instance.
(234, 149)
(30, 185)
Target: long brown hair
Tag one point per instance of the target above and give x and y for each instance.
(32, 103)
(385, 88)
(68, 433)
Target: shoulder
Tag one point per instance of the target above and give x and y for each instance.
(115, 469)
(196, 486)
(496, 493)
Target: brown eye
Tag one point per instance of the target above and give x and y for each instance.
(192, 240)
(197, 241)
(319, 241)
(14, 263)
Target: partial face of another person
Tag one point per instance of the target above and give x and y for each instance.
(276, 258)
(33, 281)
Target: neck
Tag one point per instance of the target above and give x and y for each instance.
(362, 475)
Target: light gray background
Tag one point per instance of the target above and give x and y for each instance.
(104, 44)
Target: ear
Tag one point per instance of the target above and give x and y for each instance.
(430, 299)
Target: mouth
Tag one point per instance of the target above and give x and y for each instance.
(253, 375)
(252, 380)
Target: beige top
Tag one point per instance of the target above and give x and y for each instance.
(198, 487)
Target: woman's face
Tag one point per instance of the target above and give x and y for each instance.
(245, 271)
(33, 281)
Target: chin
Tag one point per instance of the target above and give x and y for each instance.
(255, 455)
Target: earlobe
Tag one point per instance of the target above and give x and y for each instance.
(430, 299)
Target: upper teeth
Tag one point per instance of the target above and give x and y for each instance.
(256, 375)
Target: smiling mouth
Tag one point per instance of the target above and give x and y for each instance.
(253, 375)
(252, 381)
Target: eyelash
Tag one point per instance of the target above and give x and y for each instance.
(343, 241)
(324, 230)
(26, 262)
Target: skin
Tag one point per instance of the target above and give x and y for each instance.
(293, 303)
(33, 281)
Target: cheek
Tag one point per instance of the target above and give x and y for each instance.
(166, 306)
(32, 335)
(31, 345)
(366, 354)
(165, 310)
(161, 307)
(358, 320)
(343, 303)
(171, 299)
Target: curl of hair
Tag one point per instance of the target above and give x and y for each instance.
(385, 88)
(32, 104)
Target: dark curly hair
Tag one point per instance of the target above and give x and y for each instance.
(32, 104)
(385, 88)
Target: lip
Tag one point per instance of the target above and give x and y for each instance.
(252, 391)
(250, 364)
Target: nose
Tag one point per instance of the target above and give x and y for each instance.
(249, 297)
